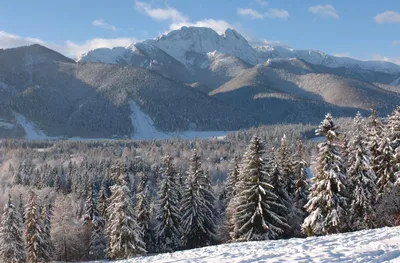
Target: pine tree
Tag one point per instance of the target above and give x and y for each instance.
(327, 201)
(254, 218)
(143, 211)
(198, 218)
(33, 234)
(12, 247)
(125, 237)
(90, 205)
(362, 179)
(344, 151)
(167, 230)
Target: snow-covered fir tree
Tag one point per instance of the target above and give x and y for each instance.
(286, 166)
(143, 211)
(301, 185)
(167, 229)
(361, 178)
(232, 178)
(12, 247)
(197, 208)
(47, 249)
(98, 241)
(385, 166)
(33, 235)
(230, 189)
(393, 128)
(344, 151)
(301, 178)
(279, 183)
(255, 218)
(125, 236)
(327, 200)
(374, 135)
(102, 202)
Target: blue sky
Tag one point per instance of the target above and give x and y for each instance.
(364, 29)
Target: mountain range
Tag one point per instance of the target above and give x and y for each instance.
(188, 79)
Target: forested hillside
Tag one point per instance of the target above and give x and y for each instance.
(120, 199)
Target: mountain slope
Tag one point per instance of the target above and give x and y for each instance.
(294, 89)
(372, 246)
(63, 98)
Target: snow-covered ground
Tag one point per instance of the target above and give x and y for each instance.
(369, 246)
(32, 132)
(145, 129)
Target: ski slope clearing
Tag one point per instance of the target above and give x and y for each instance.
(145, 129)
(31, 131)
(372, 246)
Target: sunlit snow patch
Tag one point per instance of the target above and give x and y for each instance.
(145, 129)
(377, 245)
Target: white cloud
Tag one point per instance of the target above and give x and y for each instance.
(74, 50)
(271, 13)
(387, 17)
(103, 24)
(250, 12)
(324, 11)
(396, 42)
(261, 3)
(69, 48)
(277, 13)
(167, 13)
(8, 40)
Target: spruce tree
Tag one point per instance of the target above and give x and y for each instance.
(255, 200)
(385, 166)
(301, 185)
(143, 211)
(374, 134)
(327, 201)
(198, 212)
(286, 166)
(47, 248)
(167, 229)
(393, 128)
(125, 236)
(362, 179)
(12, 248)
(232, 180)
(33, 234)
(97, 246)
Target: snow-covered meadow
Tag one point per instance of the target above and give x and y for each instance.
(368, 246)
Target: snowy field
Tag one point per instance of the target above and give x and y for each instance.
(369, 246)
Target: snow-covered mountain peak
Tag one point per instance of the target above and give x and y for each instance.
(188, 43)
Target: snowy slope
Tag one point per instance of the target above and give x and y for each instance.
(395, 82)
(185, 43)
(369, 246)
(145, 129)
(32, 132)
